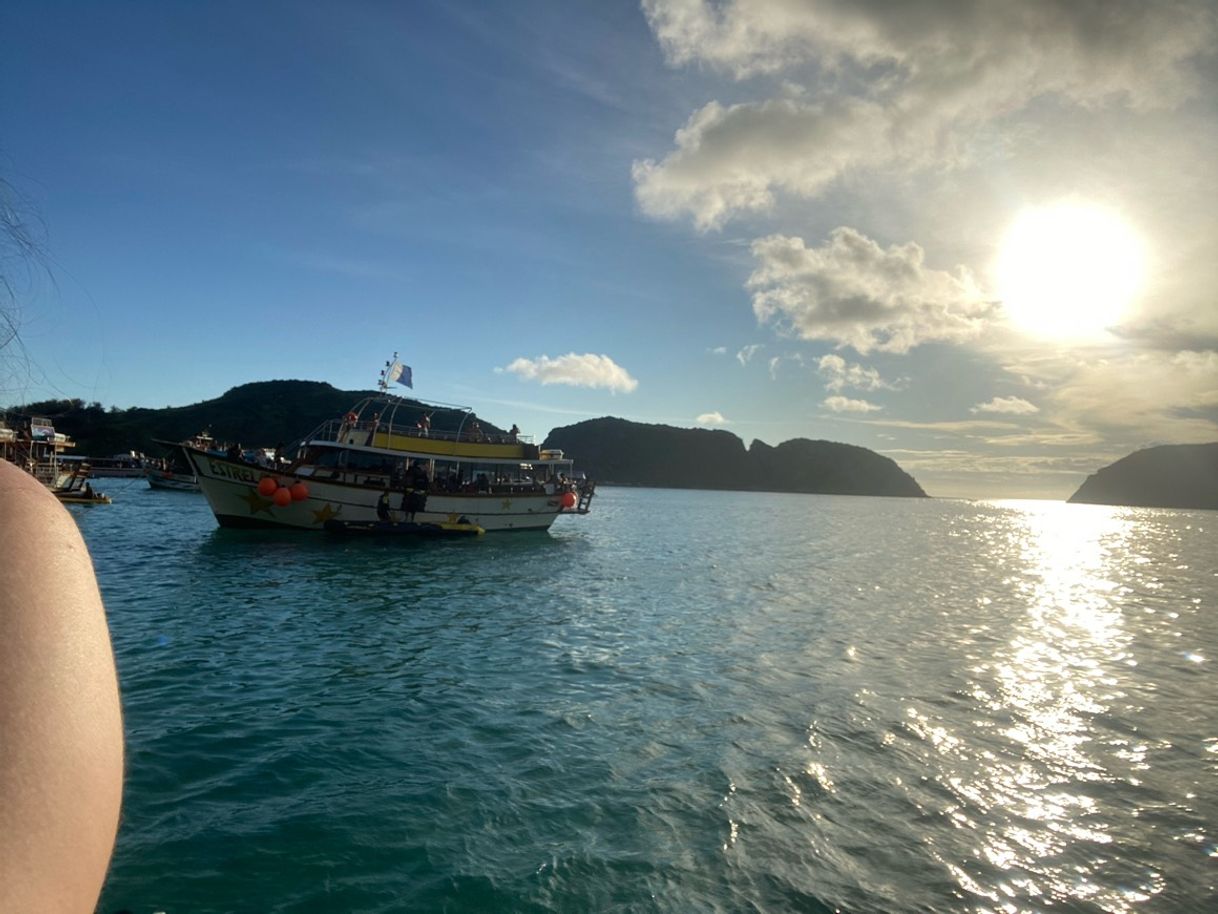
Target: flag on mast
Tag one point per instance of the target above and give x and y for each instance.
(400, 373)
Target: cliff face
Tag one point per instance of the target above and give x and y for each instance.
(1168, 476)
(801, 465)
(652, 455)
(632, 453)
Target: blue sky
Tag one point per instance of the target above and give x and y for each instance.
(775, 218)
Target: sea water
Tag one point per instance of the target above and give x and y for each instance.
(684, 702)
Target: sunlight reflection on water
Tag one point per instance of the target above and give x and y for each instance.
(1057, 678)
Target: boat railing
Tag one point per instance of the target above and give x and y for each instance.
(340, 430)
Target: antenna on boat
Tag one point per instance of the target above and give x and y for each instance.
(383, 383)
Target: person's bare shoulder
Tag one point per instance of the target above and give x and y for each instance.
(60, 724)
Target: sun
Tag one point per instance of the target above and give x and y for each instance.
(1069, 270)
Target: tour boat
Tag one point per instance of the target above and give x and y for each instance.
(385, 460)
(32, 443)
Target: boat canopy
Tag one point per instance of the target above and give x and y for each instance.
(386, 423)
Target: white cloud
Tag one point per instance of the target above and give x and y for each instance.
(841, 404)
(907, 85)
(715, 418)
(967, 428)
(853, 292)
(1061, 46)
(729, 160)
(587, 370)
(745, 354)
(1143, 397)
(718, 350)
(840, 374)
(1015, 406)
(776, 362)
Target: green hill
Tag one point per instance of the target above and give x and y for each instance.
(631, 453)
(260, 414)
(1168, 476)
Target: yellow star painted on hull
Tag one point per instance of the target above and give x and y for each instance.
(326, 513)
(507, 504)
(257, 502)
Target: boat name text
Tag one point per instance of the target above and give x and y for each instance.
(228, 471)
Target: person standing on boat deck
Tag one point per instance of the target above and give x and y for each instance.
(418, 477)
(513, 433)
(413, 501)
(424, 425)
(382, 506)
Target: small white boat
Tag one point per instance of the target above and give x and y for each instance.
(175, 472)
(167, 479)
(118, 466)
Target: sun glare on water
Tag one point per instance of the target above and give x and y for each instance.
(1069, 270)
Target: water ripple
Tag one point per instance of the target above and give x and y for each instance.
(687, 701)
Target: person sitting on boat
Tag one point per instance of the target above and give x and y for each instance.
(382, 506)
(234, 451)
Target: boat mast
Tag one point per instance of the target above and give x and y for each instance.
(383, 383)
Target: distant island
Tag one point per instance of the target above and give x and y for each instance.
(1168, 476)
(617, 451)
(612, 451)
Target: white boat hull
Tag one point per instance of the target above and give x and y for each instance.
(177, 482)
(231, 489)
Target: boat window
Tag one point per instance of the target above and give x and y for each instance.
(326, 457)
(358, 460)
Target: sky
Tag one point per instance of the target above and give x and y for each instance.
(981, 239)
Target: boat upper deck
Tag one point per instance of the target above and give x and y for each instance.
(384, 431)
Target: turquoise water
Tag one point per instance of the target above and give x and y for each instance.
(687, 701)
